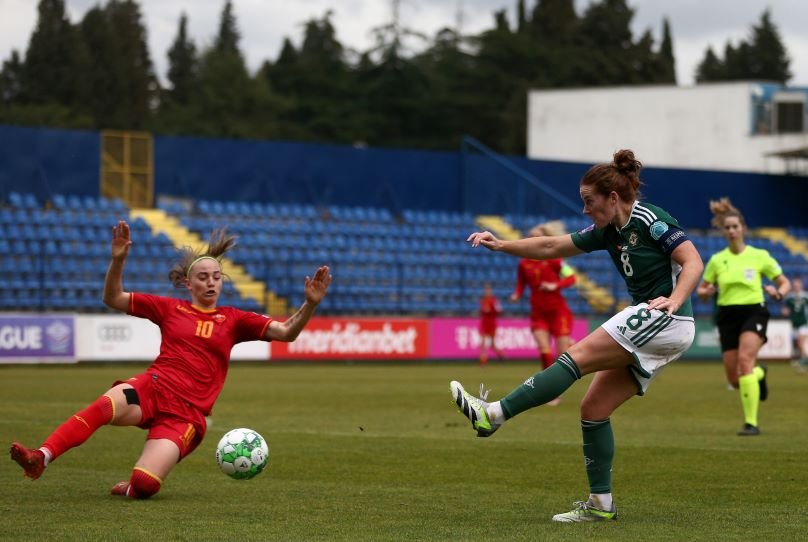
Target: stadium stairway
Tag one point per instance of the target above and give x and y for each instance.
(159, 221)
(780, 235)
(599, 298)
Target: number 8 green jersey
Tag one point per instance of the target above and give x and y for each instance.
(641, 252)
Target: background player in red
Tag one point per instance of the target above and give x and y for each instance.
(549, 314)
(490, 309)
(173, 396)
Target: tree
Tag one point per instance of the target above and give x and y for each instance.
(107, 78)
(324, 96)
(183, 66)
(763, 57)
(768, 59)
(736, 61)
(125, 88)
(54, 64)
(666, 58)
(710, 68)
(228, 37)
(11, 79)
(521, 16)
(450, 73)
(283, 74)
(554, 21)
(230, 103)
(606, 38)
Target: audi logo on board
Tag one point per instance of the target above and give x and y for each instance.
(115, 332)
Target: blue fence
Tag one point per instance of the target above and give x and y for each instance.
(46, 162)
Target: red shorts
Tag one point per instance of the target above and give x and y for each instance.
(166, 415)
(488, 328)
(558, 322)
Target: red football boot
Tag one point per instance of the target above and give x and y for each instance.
(31, 461)
(120, 489)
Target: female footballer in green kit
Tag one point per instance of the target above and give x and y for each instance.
(660, 267)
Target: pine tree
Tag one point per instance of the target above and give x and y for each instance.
(183, 66)
(666, 58)
(228, 37)
(234, 104)
(521, 16)
(53, 68)
(107, 79)
(126, 87)
(554, 21)
(710, 68)
(11, 79)
(605, 37)
(762, 58)
(768, 59)
(283, 75)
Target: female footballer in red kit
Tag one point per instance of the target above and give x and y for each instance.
(490, 309)
(173, 396)
(550, 316)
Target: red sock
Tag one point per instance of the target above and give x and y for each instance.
(79, 427)
(546, 359)
(143, 484)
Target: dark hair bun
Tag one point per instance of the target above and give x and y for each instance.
(626, 164)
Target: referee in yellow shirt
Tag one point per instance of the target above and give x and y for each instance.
(735, 274)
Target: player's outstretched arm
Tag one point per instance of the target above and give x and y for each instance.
(534, 248)
(114, 296)
(315, 289)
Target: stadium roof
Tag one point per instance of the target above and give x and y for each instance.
(796, 160)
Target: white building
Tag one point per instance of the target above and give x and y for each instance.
(743, 126)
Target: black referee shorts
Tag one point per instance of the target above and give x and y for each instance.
(732, 320)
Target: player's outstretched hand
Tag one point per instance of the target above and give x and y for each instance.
(486, 239)
(121, 240)
(316, 287)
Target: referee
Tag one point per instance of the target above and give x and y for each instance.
(735, 275)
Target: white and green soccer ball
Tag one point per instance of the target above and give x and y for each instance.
(242, 453)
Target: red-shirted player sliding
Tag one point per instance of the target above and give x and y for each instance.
(549, 314)
(173, 396)
(490, 309)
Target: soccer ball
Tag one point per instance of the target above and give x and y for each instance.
(242, 453)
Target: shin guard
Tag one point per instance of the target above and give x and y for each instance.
(80, 426)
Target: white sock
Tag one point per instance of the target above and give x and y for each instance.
(602, 501)
(495, 414)
(47, 454)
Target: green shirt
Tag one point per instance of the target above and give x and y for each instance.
(797, 308)
(637, 250)
(739, 276)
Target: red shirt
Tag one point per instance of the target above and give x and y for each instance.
(533, 273)
(489, 308)
(196, 344)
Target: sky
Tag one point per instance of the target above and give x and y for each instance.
(695, 24)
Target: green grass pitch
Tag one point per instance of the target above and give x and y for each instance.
(375, 452)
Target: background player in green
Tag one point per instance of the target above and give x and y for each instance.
(660, 267)
(735, 275)
(796, 308)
